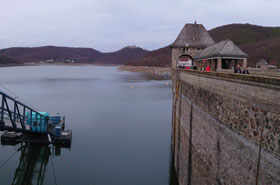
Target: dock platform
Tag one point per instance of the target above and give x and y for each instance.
(21, 123)
(13, 137)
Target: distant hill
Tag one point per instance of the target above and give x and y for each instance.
(244, 33)
(45, 53)
(122, 56)
(6, 60)
(267, 49)
(68, 54)
(160, 57)
(257, 41)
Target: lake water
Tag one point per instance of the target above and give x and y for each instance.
(121, 135)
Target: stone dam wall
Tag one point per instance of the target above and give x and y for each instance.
(226, 128)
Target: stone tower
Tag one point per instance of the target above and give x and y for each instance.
(190, 42)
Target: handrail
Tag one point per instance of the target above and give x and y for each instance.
(11, 110)
(235, 76)
(18, 102)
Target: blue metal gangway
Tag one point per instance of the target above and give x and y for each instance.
(16, 116)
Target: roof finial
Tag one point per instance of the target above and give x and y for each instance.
(195, 22)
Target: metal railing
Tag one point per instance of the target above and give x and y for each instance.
(16, 116)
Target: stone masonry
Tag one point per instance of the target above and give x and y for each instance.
(219, 121)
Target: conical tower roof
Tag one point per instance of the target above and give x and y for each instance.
(193, 35)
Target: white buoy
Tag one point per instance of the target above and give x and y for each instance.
(167, 83)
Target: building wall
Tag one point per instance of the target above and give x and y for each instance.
(177, 52)
(219, 120)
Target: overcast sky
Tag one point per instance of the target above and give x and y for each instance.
(108, 25)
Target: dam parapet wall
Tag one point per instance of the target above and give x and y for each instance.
(226, 128)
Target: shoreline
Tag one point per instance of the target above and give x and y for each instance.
(141, 69)
(56, 64)
(146, 69)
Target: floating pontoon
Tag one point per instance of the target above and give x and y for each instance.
(21, 123)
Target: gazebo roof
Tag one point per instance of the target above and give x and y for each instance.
(262, 61)
(193, 35)
(225, 48)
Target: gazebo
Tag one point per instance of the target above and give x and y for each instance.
(222, 55)
(263, 65)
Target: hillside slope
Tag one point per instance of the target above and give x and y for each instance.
(160, 57)
(244, 33)
(58, 54)
(67, 54)
(7, 61)
(122, 56)
(267, 49)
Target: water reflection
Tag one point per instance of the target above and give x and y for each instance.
(143, 77)
(173, 180)
(121, 135)
(33, 163)
(34, 160)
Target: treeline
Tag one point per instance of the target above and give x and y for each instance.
(160, 58)
(69, 54)
(7, 60)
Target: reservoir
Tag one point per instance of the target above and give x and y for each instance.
(121, 123)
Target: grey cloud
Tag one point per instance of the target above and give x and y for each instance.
(112, 24)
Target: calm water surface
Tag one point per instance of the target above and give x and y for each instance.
(121, 135)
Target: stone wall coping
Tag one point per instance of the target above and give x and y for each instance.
(269, 82)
